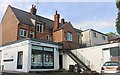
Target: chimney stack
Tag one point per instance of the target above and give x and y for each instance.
(33, 10)
(63, 21)
(56, 21)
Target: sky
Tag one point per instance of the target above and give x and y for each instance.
(83, 14)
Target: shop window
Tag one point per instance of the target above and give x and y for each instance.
(42, 57)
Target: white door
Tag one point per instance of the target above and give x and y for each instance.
(106, 55)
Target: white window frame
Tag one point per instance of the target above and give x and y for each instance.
(22, 33)
(69, 36)
(40, 27)
(32, 33)
(49, 38)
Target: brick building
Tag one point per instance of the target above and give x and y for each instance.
(44, 43)
(18, 24)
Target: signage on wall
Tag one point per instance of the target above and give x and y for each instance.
(35, 43)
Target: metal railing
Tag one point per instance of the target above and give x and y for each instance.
(81, 57)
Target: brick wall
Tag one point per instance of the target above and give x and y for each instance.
(61, 36)
(75, 39)
(58, 36)
(9, 27)
(42, 36)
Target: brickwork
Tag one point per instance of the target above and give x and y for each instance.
(9, 27)
(61, 36)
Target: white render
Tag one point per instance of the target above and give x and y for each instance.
(96, 55)
(67, 61)
(11, 52)
(89, 39)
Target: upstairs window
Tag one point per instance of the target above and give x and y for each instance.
(23, 32)
(31, 34)
(103, 37)
(39, 27)
(69, 36)
(95, 34)
(49, 38)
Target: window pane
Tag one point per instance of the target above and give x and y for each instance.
(36, 59)
(23, 32)
(20, 60)
(103, 37)
(39, 27)
(114, 51)
(48, 59)
(69, 36)
(95, 35)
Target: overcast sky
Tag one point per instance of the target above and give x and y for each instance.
(83, 14)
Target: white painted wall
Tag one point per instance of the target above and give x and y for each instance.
(67, 61)
(11, 52)
(99, 39)
(106, 55)
(90, 40)
(96, 55)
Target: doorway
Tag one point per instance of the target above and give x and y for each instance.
(60, 62)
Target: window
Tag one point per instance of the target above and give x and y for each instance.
(31, 34)
(20, 60)
(95, 34)
(42, 57)
(69, 37)
(48, 37)
(103, 37)
(23, 33)
(39, 27)
(114, 51)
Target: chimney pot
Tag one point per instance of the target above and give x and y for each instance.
(33, 10)
(63, 21)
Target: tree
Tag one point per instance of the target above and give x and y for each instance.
(112, 35)
(118, 17)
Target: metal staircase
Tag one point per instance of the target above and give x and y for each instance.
(79, 59)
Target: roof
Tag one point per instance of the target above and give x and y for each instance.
(96, 31)
(25, 18)
(114, 39)
(78, 30)
(37, 40)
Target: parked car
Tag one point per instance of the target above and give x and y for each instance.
(111, 67)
